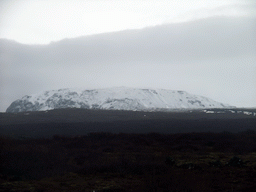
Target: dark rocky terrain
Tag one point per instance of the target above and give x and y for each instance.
(95, 150)
(81, 121)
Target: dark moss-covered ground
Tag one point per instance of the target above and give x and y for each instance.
(83, 150)
(73, 122)
(130, 162)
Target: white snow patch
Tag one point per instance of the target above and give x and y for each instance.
(209, 111)
(247, 113)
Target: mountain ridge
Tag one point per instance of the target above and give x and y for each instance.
(118, 98)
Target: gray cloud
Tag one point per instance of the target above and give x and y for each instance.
(215, 57)
(202, 39)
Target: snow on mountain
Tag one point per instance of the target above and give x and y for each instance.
(120, 98)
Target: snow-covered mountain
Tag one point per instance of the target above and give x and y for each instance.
(120, 98)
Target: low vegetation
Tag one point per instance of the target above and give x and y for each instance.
(184, 162)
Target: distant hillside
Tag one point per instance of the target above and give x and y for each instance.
(120, 98)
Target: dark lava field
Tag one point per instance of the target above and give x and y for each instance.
(73, 122)
(208, 150)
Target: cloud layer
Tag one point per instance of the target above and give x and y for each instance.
(36, 21)
(214, 57)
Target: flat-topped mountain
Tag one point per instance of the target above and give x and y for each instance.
(120, 98)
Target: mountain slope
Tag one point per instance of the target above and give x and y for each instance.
(120, 98)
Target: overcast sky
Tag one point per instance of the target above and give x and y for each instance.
(206, 47)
